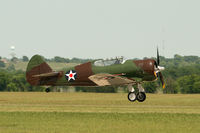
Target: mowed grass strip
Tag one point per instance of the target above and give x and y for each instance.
(97, 102)
(37, 112)
(68, 122)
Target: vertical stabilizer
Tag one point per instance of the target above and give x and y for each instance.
(36, 66)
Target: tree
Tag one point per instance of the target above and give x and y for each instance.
(196, 87)
(11, 67)
(189, 83)
(12, 87)
(2, 64)
(172, 86)
(150, 87)
(14, 59)
(191, 58)
(4, 80)
(25, 58)
(60, 59)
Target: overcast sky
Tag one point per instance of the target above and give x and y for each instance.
(100, 28)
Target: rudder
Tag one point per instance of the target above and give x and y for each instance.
(36, 66)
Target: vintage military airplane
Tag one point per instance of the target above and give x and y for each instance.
(98, 73)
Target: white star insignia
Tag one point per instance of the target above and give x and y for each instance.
(70, 75)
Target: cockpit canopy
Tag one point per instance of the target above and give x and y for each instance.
(109, 62)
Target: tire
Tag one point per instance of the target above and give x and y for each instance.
(132, 96)
(47, 90)
(141, 96)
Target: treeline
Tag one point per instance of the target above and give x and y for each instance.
(55, 59)
(15, 81)
(182, 75)
(67, 60)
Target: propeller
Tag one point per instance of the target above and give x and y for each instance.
(158, 69)
(158, 57)
(161, 79)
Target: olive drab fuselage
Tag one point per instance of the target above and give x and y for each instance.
(141, 70)
(39, 72)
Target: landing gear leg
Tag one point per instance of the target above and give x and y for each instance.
(131, 94)
(47, 90)
(141, 96)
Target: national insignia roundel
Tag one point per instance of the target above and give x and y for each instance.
(71, 75)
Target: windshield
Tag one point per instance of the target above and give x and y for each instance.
(109, 62)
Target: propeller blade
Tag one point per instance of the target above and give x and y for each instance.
(161, 79)
(155, 64)
(158, 58)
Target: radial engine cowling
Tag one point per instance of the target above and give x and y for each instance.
(148, 69)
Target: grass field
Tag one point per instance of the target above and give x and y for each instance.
(98, 113)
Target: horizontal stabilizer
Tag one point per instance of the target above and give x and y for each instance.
(51, 74)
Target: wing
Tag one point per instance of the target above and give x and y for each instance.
(103, 79)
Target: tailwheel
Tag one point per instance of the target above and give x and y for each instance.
(141, 96)
(47, 90)
(132, 96)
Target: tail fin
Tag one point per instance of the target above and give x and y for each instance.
(36, 66)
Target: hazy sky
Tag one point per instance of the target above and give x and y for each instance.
(100, 28)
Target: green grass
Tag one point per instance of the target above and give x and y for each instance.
(62, 122)
(97, 113)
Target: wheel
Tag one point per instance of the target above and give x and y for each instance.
(141, 96)
(131, 96)
(47, 90)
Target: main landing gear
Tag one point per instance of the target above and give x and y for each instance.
(47, 90)
(140, 96)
